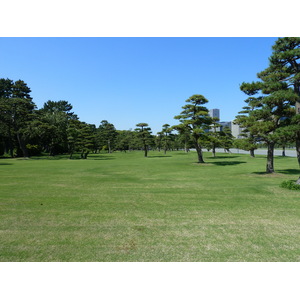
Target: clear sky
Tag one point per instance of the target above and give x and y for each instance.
(130, 80)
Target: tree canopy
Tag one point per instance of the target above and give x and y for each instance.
(196, 120)
(284, 72)
(272, 109)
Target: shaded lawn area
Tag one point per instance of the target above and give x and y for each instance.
(124, 207)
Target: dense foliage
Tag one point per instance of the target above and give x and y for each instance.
(272, 114)
(55, 129)
(290, 185)
(195, 120)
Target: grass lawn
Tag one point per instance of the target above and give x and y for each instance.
(124, 207)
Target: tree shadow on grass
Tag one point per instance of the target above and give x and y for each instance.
(290, 172)
(227, 163)
(101, 158)
(75, 157)
(46, 157)
(159, 156)
(286, 172)
(222, 157)
(5, 164)
(262, 173)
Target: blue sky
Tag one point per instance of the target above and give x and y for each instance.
(131, 80)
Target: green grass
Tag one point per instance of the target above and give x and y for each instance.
(124, 207)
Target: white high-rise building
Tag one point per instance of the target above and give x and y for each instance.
(214, 113)
(236, 130)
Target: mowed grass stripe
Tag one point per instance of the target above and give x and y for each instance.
(124, 207)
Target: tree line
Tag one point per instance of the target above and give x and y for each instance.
(55, 129)
(271, 116)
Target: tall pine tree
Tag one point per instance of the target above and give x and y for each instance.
(196, 120)
(16, 110)
(284, 68)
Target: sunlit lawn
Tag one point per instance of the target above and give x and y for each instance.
(124, 207)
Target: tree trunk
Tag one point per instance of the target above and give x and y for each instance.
(199, 152)
(252, 153)
(297, 107)
(213, 151)
(298, 147)
(270, 158)
(109, 148)
(145, 149)
(22, 145)
(185, 147)
(10, 144)
(283, 151)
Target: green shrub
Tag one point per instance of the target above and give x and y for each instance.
(290, 184)
(34, 149)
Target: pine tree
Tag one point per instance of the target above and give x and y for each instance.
(214, 135)
(196, 120)
(106, 135)
(166, 131)
(144, 134)
(284, 69)
(16, 110)
(270, 111)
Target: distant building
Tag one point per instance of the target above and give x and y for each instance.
(236, 130)
(224, 124)
(214, 113)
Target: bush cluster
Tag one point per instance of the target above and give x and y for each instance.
(34, 149)
(290, 184)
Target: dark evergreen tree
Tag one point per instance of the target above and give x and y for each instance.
(270, 111)
(52, 125)
(159, 140)
(144, 134)
(226, 139)
(196, 120)
(16, 111)
(213, 136)
(184, 138)
(248, 141)
(81, 138)
(123, 139)
(59, 106)
(166, 139)
(284, 69)
(106, 136)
